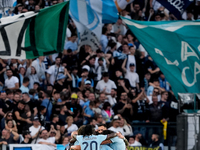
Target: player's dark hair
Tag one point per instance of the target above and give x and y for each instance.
(88, 130)
(106, 132)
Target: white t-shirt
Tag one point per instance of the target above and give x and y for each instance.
(109, 86)
(72, 128)
(49, 140)
(10, 83)
(136, 143)
(132, 77)
(34, 130)
(116, 130)
(131, 59)
(53, 70)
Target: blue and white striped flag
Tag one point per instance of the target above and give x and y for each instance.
(88, 16)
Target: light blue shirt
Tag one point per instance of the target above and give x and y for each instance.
(150, 90)
(80, 79)
(105, 147)
(46, 103)
(61, 147)
(92, 142)
(117, 143)
(86, 104)
(24, 89)
(104, 42)
(89, 111)
(71, 45)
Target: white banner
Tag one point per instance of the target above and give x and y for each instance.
(121, 4)
(88, 19)
(34, 147)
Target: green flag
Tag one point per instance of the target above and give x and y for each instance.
(175, 48)
(33, 34)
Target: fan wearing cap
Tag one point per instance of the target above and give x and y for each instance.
(132, 76)
(35, 128)
(27, 137)
(87, 86)
(115, 125)
(84, 76)
(105, 85)
(75, 107)
(59, 85)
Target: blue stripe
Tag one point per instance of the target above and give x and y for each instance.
(74, 9)
(90, 13)
(109, 11)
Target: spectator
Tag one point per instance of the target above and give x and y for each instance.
(9, 137)
(49, 141)
(59, 85)
(12, 82)
(53, 71)
(30, 102)
(124, 107)
(65, 143)
(115, 125)
(22, 72)
(132, 76)
(71, 44)
(40, 68)
(105, 85)
(75, 108)
(17, 116)
(88, 112)
(64, 112)
(24, 87)
(104, 39)
(126, 127)
(119, 28)
(133, 142)
(8, 116)
(107, 112)
(35, 128)
(70, 126)
(27, 137)
(156, 142)
(10, 126)
(32, 75)
(48, 105)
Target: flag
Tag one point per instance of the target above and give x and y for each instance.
(175, 48)
(121, 4)
(176, 7)
(88, 15)
(32, 34)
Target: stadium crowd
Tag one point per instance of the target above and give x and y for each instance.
(46, 99)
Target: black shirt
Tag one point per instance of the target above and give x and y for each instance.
(140, 109)
(10, 140)
(32, 105)
(75, 108)
(29, 142)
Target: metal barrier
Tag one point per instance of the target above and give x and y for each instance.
(157, 126)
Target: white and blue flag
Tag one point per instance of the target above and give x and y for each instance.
(89, 15)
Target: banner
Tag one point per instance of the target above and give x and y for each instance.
(88, 16)
(142, 148)
(30, 35)
(121, 4)
(35, 147)
(175, 48)
(176, 7)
